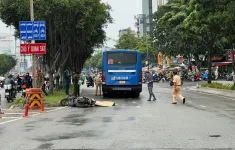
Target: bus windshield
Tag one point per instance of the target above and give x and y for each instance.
(122, 58)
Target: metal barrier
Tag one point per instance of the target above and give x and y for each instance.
(34, 100)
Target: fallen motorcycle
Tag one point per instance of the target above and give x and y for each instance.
(73, 101)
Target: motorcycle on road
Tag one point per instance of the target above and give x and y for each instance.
(10, 93)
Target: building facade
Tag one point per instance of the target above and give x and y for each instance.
(144, 21)
(157, 3)
(124, 31)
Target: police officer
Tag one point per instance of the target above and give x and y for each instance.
(176, 83)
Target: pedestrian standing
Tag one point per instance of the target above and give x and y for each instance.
(30, 82)
(98, 84)
(150, 86)
(67, 79)
(41, 81)
(76, 84)
(176, 87)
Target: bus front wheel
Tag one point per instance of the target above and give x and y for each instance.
(136, 95)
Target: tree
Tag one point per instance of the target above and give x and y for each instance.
(73, 29)
(142, 47)
(130, 41)
(95, 61)
(127, 40)
(195, 27)
(7, 62)
(206, 20)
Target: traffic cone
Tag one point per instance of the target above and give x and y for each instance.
(42, 105)
(26, 111)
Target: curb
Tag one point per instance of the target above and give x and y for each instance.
(209, 93)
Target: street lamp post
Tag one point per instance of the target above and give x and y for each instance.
(146, 38)
(147, 48)
(33, 41)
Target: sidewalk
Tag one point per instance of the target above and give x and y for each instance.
(220, 92)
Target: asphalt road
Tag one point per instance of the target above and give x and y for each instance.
(205, 121)
(5, 104)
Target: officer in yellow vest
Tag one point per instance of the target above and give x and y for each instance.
(176, 83)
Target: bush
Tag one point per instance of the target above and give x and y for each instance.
(218, 86)
(50, 100)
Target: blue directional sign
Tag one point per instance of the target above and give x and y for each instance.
(32, 30)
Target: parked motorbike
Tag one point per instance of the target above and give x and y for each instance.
(165, 79)
(88, 84)
(47, 85)
(24, 90)
(229, 77)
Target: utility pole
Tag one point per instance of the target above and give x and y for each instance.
(146, 38)
(233, 67)
(147, 47)
(33, 41)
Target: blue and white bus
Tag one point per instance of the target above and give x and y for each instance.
(122, 72)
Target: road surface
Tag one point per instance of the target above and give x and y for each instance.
(205, 121)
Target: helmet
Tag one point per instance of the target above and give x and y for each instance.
(10, 76)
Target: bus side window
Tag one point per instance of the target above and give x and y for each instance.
(110, 62)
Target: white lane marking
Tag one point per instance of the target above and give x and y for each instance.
(13, 113)
(11, 117)
(202, 106)
(20, 118)
(56, 109)
(133, 102)
(137, 106)
(10, 121)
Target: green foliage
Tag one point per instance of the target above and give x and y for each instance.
(127, 40)
(130, 41)
(218, 86)
(195, 27)
(94, 61)
(7, 62)
(50, 100)
(74, 27)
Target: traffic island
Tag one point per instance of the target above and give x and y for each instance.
(215, 89)
(52, 100)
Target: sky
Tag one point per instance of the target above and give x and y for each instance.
(123, 12)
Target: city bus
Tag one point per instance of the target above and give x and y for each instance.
(122, 72)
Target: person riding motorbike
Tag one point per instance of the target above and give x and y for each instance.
(24, 85)
(19, 80)
(90, 80)
(30, 81)
(10, 81)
